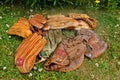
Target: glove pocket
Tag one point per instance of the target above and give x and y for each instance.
(58, 60)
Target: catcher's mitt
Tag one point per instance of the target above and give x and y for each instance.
(68, 55)
(95, 45)
(20, 28)
(27, 51)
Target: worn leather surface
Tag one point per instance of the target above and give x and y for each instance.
(89, 23)
(72, 21)
(68, 55)
(53, 38)
(95, 45)
(27, 51)
(59, 22)
(20, 28)
(37, 21)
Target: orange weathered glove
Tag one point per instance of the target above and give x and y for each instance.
(20, 28)
(27, 51)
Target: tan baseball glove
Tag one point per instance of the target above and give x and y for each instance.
(72, 21)
(84, 21)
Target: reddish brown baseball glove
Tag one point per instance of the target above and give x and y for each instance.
(37, 21)
(95, 45)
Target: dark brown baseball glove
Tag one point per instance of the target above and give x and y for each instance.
(68, 55)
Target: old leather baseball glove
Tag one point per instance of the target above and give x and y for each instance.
(84, 21)
(20, 28)
(72, 21)
(59, 22)
(37, 21)
(95, 45)
(68, 55)
(27, 51)
(53, 37)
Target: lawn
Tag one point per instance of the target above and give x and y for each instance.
(105, 67)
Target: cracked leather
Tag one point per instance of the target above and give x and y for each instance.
(95, 45)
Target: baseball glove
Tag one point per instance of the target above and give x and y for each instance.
(68, 55)
(95, 45)
(27, 51)
(37, 21)
(53, 37)
(72, 21)
(20, 28)
(84, 20)
(59, 22)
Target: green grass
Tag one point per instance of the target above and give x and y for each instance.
(108, 26)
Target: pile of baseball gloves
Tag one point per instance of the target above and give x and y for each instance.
(43, 37)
